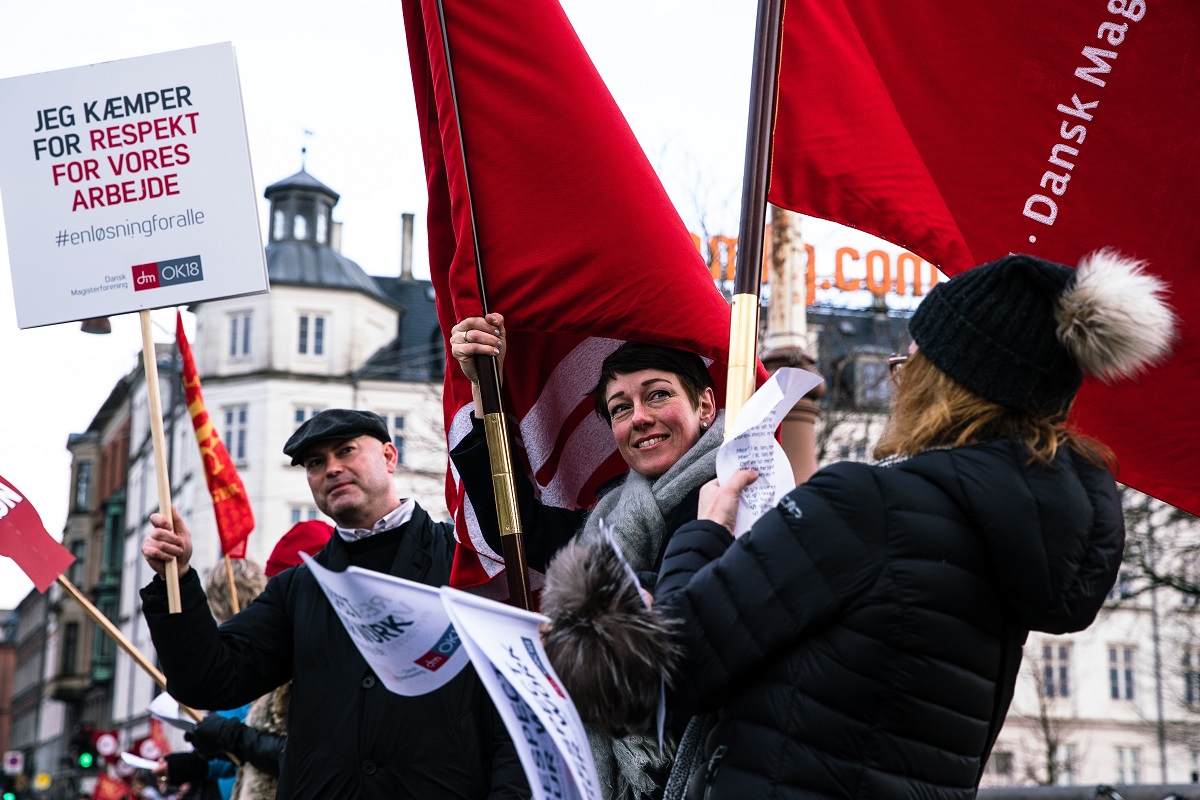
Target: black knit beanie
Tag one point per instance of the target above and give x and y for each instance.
(993, 330)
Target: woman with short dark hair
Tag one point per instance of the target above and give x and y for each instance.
(863, 638)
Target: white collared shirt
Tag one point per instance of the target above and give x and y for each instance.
(393, 519)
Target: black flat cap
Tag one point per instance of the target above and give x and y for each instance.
(335, 423)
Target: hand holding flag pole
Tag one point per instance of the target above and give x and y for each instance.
(157, 435)
(495, 422)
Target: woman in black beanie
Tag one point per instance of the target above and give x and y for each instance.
(863, 639)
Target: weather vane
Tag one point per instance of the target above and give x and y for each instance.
(304, 149)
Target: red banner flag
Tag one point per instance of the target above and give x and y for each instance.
(580, 245)
(964, 132)
(235, 519)
(24, 539)
(108, 788)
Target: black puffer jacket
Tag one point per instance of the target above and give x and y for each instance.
(863, 639)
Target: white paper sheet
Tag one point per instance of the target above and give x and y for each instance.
(400, 627)
(167, 709)
(137, 761)
(506, 650)
(752, 444)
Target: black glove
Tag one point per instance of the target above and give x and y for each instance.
(214, 736)
(186, 768)
(220, 737)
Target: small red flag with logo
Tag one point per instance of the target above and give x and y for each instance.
(235, 519)
(24, 539)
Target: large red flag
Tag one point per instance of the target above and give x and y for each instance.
(24, 539)
(580, 246)
(235, 519)
(965, 131)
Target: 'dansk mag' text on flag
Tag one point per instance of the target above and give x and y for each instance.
(964, 132)
(24, 539)
(580, 246)
(235, 519)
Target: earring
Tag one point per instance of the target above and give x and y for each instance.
(703, 426)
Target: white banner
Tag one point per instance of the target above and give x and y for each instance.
(545, 727)
(127, 186)
(752, 445)
(400, 627)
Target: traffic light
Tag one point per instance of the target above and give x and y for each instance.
(83, 745)
(6, 784)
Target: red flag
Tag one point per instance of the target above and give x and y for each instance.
(580, 246)
(24, 539)
(235, 520)
(108, 788)
(967, 131)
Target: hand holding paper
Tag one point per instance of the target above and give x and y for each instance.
(752, 445)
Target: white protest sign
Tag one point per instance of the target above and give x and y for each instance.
(138, 762)
(127, 186)
(752, 445)
(400, 627)
(545, 727)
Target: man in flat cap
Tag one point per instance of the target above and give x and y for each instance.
(348, 736)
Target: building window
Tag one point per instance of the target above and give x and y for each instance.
(1191, 675)
(1056, 670)
(239, 334)
(70, 648)
(1000, 764)
(277, 227)
(312, 334)
(75, 571)
(83, 486)
(1129, 765)
(235, 432)
(300, 227)
(322, 226)
(1064, 760)
(1120, 672)
(302, 513)
(1194, 765)
(1121, 589)
(301, 414)
(396, 426)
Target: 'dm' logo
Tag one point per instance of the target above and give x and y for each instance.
(145, 276)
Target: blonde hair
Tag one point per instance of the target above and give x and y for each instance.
(248, 578)
(930, 409)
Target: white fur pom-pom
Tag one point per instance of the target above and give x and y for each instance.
(1115, 319)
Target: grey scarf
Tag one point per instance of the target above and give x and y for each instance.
(637, 512)
(637, 509)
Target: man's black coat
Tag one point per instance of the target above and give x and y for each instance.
(348, 736)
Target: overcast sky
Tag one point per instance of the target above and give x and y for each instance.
(678, 69)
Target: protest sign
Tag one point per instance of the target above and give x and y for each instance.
(507, 652)
(751, 444)
(127, 186)
(416, 638)
(399, 627)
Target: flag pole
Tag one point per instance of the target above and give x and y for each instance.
(150, 363)
(756, 179)
(120, 638)
(495, 423)
(233, 598)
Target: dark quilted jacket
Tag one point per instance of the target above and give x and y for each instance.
(863, 639)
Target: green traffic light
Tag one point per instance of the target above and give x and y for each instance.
(85, 760)
(9, 796)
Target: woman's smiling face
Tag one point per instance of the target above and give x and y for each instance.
(653, 420)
